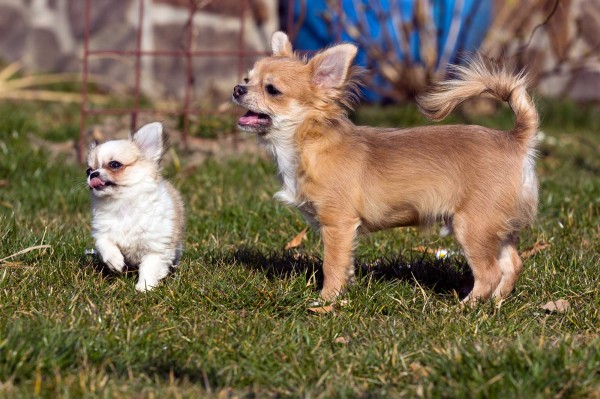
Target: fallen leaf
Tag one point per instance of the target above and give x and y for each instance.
(226, 393)
(322, 309)
(558, 306)
(297, 241)
(537, 247)
(341, 340)
(418, 370)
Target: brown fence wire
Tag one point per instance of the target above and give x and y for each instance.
(186, 109)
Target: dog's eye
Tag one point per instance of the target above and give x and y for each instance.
(246, 80)
(88, 171)
(115, 165)
(272, 90)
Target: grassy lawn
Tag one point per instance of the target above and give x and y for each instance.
(233, 321)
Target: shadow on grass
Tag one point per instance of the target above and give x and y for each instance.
(94, 262)
(442, 276)
(439, 275)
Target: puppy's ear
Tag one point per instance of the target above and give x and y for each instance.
(150, 139)
(281, 45)
(330, 68)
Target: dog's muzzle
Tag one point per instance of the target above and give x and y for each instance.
(239, 91)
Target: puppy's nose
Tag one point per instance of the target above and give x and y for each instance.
(239, 91)
(94, 174)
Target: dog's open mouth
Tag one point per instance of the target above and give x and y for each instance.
(98, 184)
(254, 121)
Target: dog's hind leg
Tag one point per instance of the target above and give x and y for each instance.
(480, 243)
(510, 265)
(338, 257)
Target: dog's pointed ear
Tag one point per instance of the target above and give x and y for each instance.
(281, 45)
(150, 140)
(330, 68)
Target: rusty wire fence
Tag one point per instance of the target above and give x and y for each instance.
(186, 107)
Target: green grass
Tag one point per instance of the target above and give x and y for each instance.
(233, 320)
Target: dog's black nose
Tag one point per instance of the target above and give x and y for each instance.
(239, 91)
(94, 174)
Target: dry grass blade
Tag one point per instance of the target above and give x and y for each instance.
(9, 71)
(297, 241)
(537, 247)
(48, 95)
(21, 88)
(24, 251)
(14, 265)
(424, 249)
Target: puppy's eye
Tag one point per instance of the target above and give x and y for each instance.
(246, 80)
(114, 165)
(88, 171)
(272, 90)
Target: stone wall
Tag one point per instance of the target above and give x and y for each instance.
(47, 36)
(556, 41)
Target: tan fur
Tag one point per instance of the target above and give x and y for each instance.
(354, 179)
(178, 221)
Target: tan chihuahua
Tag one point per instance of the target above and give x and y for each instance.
(349, 179)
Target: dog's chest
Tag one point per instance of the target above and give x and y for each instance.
(136, 227)
(286, 157)
(291, 191)
(287, 166)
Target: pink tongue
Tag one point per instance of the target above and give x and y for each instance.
(96, 182)
(249, 118)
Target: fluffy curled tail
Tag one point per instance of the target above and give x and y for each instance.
(475, 79)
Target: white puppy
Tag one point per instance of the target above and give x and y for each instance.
(137, 217)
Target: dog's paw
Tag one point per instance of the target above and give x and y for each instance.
(114, 260)
(144, 285)
(152, 269)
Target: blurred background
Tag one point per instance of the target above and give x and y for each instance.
(122, 62)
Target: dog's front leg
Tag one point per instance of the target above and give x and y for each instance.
(152, 269)
(111, 254)
(338, 258)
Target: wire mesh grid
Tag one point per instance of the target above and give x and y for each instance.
(185, 108)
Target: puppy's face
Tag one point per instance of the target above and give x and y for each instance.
(282, 90)
(275, 94)
(121, 166)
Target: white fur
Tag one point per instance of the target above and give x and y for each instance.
(138, 227)
(136, 221)
(284, 150)
(280, 44)
(282, 145)
(530, 182)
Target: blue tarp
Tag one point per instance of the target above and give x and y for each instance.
(315, 33)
